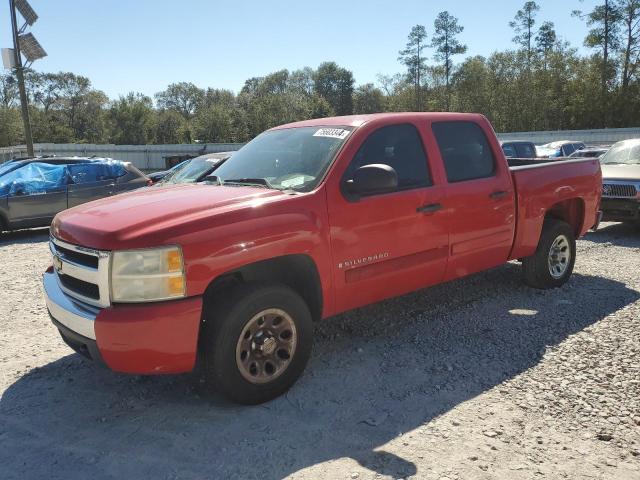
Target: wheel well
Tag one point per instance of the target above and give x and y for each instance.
(570, 211)
(298, 272)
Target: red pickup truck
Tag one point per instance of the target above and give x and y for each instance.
(306, 221)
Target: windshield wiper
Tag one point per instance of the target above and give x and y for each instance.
(252, 182)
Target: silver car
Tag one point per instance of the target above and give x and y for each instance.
(34, 192)
(621, 182)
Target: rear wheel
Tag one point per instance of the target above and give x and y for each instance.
(552, 264)
(256, 342)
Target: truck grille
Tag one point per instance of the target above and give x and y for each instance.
(619, 190)
(83, 273)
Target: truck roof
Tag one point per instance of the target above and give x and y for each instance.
(359, 120)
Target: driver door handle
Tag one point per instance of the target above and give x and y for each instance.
(498, 194)
(429, 208)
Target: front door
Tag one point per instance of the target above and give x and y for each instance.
(88, 182)
(388, 244)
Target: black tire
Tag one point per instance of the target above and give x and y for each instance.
(536, 268)
(226, 319)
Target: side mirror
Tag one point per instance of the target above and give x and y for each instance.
(372, 179)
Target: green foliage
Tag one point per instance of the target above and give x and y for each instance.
(413, 59)
(523, 24)
(335, 85)
(10, 127)
(131, 119)
(447, 45)
(368, 98)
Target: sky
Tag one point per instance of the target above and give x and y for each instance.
(144, 45)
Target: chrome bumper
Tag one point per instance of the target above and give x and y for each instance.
(76, 316)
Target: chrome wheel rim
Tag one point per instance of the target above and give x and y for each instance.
(266, 346)
(559, 256)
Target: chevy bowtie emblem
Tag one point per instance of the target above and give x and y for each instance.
(57, 263)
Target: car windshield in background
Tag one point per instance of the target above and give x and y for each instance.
(285, 159)
(626, 152)
(8, 166)
(191, 171)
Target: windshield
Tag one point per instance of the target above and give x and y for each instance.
(291, 158)
(626, 152)
(191, 171)
(8, 166)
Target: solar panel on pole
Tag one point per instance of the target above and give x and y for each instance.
(30, 47)
(29, 15)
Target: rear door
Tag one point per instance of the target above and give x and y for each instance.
(88, 181)
(480, 197)
(387, 244)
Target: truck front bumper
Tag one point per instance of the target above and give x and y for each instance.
(620, 209)
(146, 338)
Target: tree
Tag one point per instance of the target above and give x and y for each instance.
(131, 119)
(447, 45)
(523, 24)
(335, 85)
(170, 127)
(603, 36)
(8, 90)
(183, 97)
(368, 99)
(546, 39)
(11, 132)
(629, 11)
(412, 58)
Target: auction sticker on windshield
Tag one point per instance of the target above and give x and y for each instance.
(332, 133)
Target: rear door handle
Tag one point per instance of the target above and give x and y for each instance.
(498, 194)
(429, 208)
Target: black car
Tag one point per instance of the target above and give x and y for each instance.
(32, 191)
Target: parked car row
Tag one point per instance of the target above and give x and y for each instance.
(33, 191)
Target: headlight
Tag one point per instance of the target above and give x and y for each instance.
(147, 275)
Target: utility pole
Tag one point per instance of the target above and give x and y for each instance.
(20, 74)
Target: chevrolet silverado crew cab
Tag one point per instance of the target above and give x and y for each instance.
(306, 221)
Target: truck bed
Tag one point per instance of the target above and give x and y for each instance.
(542, 184)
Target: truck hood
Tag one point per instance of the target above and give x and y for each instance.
(126, 219)
(621, 172)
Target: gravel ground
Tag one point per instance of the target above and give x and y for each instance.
(476, 379)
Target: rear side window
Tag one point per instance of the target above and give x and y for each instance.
(526, 150)
(400, 147)
(509, 150)
(465, 151)
(568, 149)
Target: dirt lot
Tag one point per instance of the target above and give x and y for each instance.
(479, 378)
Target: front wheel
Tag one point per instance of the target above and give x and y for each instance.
(256, 342)
(552, 264)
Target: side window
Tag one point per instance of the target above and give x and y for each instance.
(567, 149)
(86, 173)
(526, 150)
(400, 147)
(465, 151)
(509, 150)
